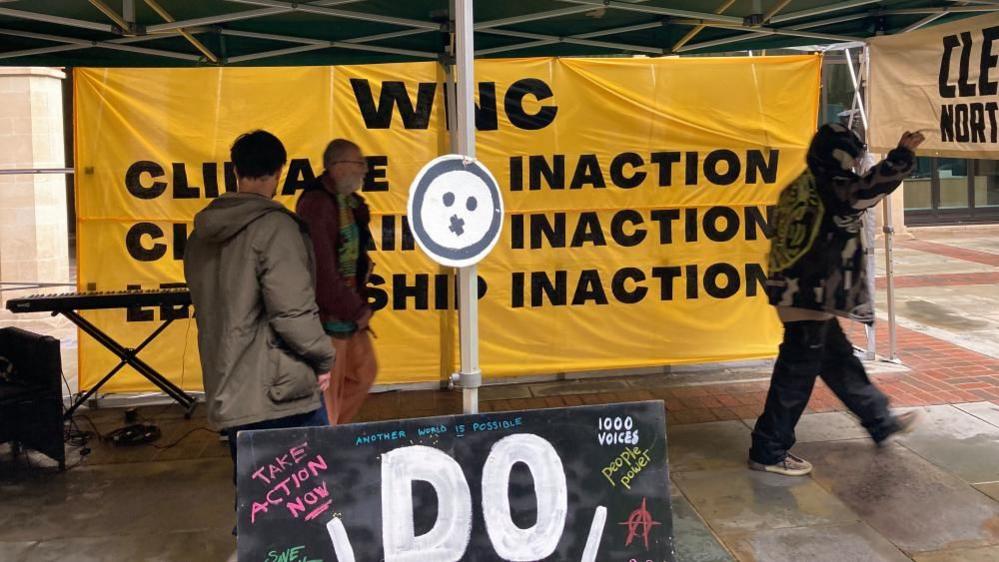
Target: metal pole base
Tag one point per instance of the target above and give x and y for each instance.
(470, 400)
(469, 384)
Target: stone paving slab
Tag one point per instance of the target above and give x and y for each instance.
(707, 446)
(17, 551)
(936, 306)
(828, 426)
(741, 500)
(989, 244)
(212, 545)
(984, 554)
(914, 504)
(956, 441)
(923, 281)
(561, 388)
(990, 489)
(504, 392)
(694, 541)
(120, 499)
(986, 411)
(909, 260)
(953, 249)
(847, 542)
(961, 309)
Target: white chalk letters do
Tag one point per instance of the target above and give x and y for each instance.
(448, 540)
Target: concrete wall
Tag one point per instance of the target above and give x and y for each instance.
(34, 239)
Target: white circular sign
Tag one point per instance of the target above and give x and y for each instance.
(455, 210)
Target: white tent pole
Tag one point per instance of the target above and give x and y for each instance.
(470, 377)
(451, 107)
(889, 230)
(868, 219)
(856, 88)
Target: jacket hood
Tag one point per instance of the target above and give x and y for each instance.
(229, 214)
(834, 152)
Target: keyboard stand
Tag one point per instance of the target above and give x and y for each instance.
(128, 357)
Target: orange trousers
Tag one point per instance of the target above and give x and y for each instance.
(354, 371)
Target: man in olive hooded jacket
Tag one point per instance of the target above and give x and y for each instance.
(264, 355)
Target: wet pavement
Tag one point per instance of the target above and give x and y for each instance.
(930, 496)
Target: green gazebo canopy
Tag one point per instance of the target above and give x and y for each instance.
(323, 32)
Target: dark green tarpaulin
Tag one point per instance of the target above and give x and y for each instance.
(31, 30)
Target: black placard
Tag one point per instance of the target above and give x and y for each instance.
(566, 484)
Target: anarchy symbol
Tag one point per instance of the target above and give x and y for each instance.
(640, 518)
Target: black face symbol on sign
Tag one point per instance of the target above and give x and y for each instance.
(456, 210)
(458, 223)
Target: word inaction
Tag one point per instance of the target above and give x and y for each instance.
(631, 285)
(631, 227)
(631, 169)
(969, 122)
(536, 289)
(150, 241)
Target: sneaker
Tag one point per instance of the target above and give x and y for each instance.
(904, 423)
(790, 466)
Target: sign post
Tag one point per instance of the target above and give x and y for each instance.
(470, 377)
(456, 214)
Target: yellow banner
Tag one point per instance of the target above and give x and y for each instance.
(636, 193)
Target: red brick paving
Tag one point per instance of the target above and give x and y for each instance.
(951, 279)
(965, 254)
(941, 372)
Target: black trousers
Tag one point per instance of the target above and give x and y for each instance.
(811, 349)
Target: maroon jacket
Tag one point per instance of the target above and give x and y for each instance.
(337, 300)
